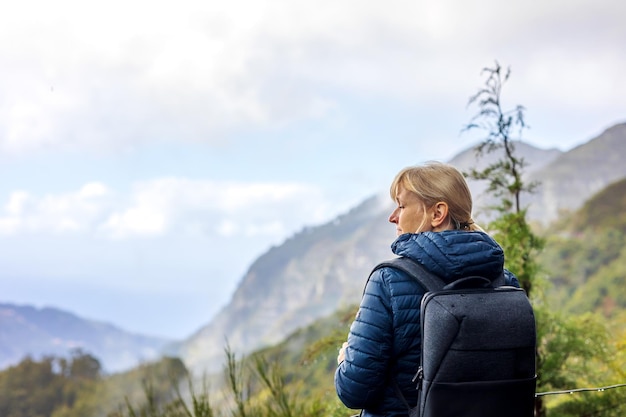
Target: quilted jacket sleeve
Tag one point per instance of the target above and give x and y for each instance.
(360, 378)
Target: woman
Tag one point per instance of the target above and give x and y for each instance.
(435, 228)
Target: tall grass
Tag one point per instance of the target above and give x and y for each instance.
(254, 387)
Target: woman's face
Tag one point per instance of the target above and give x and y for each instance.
(410, 216)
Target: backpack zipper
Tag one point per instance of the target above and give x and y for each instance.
(419, 376)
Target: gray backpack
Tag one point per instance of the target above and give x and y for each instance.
(478, 347)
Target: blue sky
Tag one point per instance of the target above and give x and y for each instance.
(150, 151)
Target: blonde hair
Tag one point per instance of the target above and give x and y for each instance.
(436, 182)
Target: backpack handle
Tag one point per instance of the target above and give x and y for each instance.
(468, 283)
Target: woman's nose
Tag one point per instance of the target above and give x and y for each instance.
(393, 218)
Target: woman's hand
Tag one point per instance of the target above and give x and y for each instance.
(342, 352)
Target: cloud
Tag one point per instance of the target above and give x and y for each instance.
(206, 207)
(70, 212)
(110, 75)
(169, 206)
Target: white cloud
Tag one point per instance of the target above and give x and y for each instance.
(227, 228)
(54, 213)
(9, 225)
(196, 207)
(137, 221)
(109, 74)
(17, 202)
(169, 206)
(93, 190)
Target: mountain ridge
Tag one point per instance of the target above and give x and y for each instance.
(563, 188)
(26, 330)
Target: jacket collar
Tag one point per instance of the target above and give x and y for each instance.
(453, 254)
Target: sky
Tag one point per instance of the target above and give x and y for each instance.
(150, 151)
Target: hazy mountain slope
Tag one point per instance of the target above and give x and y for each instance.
(576, 175)
(606, 210)
(307, 277)
(535, 158)
(25, 330)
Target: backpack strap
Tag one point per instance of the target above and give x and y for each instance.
(429, 281)
(500, 281)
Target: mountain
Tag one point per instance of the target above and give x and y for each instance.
(575, 176)
(324, 268)
(26, 330)
(307, 277)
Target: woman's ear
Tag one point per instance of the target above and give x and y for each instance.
(439, 215)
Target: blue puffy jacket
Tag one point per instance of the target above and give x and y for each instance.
(384, 339)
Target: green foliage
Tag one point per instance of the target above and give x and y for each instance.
(156, 381)
(307, 361)
(75, 386)
(566, 352)
(582, 323)
(587, 262)
(521, 246)
(605, 210)
(573, 359)
(286, 380)
(39, 388)
(293, 378)
(602, 292)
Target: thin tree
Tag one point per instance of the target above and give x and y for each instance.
(503, 129)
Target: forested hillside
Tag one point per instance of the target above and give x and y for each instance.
(76, 387)
(585, 255)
